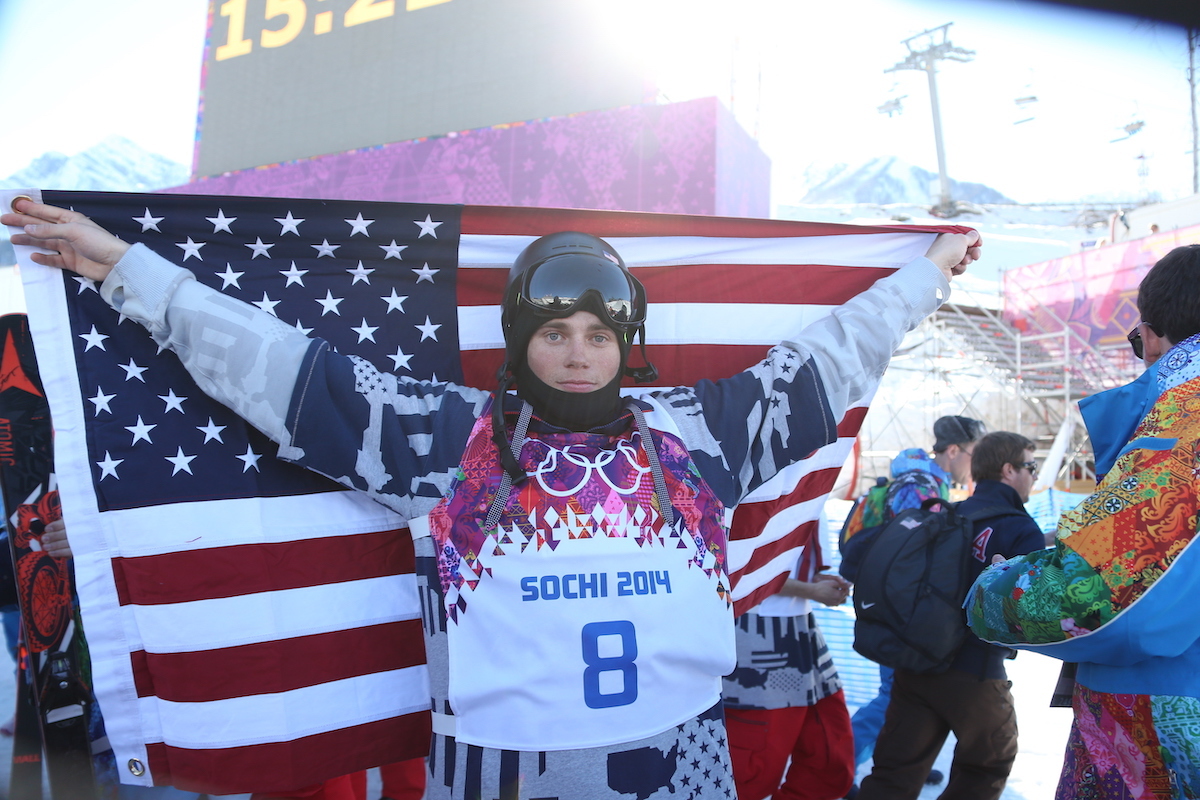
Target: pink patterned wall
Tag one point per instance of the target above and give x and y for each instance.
(1093, 291)
(690, 158)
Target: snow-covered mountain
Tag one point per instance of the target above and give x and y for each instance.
(888, 180)
(114, 165)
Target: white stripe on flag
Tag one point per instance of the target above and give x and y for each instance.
(268, 616)
(891, 250)
(259, 719)
(181, 527)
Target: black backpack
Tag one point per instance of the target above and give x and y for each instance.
(912, 579)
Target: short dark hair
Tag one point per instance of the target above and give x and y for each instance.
(1169, 295)
(995, 450)
(956, 430)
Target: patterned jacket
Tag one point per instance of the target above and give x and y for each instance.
(1117, 592)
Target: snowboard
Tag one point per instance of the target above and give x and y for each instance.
(53, 654)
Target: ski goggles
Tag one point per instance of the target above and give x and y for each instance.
(563, 284)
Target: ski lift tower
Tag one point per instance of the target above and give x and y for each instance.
(936, 47)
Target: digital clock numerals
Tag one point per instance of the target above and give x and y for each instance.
(285, 19)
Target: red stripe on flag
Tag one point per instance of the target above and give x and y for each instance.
(288, 766)
(542, 221)
(768, 589)
(750, 518)
(799, 284)
(277, 666)
(851, 423)
(242, 569)
(678, 364)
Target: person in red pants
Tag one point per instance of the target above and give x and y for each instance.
(345, 787)
(404, 780)
(785, 700)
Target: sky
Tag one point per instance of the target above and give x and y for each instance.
(804, 76)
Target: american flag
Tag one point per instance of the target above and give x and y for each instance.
(252, 627)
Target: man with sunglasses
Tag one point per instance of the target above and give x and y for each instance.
(1116, 595)
(971, 698)
(570, 542)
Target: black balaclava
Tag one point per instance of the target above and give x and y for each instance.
(578, 259)
(576, 411)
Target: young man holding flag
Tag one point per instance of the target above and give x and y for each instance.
(572, 540)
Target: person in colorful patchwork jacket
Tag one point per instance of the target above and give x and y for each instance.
(570, 541)
(1117, 592)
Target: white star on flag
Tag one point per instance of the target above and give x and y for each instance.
(93, 339)
(289, 224)
(260, 248)
(428, 330)
(293, 275)
(392, 250)
(425, 273)
(329, 303)
(211, 431)
(132, 371)
(109, 466)
(174, 402)
(325, 248)
(190, 249)
(361, 273)
(148, 222)
(394, 302)
(267, 304)
(181, 462)
(400, 360)
(101, 401)
(140, 431)
(221, 222)
(250, 459)
(428, 227)
(359, 225)
(229, 277)
(365, 331)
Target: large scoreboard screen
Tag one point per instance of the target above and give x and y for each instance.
(289, 79)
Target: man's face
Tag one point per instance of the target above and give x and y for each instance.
(958, 456)
(1023, 478)
(577, 354)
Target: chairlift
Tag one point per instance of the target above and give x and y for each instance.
(1130, 130)
(1025, 105)
(893, 106)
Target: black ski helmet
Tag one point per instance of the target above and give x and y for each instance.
(569, 271)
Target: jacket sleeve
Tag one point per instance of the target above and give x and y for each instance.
(1119, 585)
(788, 405)
(332, 413)
(236, 353)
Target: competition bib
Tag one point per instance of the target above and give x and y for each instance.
(583, 619)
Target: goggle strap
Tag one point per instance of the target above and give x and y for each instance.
(648, 373)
